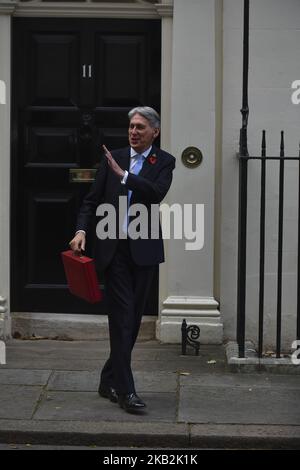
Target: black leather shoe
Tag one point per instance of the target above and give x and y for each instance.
(108, 392)
(131, 403)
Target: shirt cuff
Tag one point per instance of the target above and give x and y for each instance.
(80, 231)
(124, 179)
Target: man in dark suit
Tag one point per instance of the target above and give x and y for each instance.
(143, 173)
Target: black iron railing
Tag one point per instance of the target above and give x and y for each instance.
(242, 247)
(244, 157)
(243, 180)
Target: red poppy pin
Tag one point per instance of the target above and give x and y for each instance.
(152, 159)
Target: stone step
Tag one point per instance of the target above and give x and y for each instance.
(70, 326)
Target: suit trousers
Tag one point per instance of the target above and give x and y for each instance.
(127, 286)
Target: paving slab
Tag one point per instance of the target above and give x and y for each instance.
(24, 377)
(85, 381)
(156, 381)
(90, 407)
(261, 380)
(61, 364)
(239, 405)
(18, 401)
(175, 365)
(88, 381)
(48, 355)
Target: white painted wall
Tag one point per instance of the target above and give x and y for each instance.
(193, 124)
(274, 65)
(189, 275)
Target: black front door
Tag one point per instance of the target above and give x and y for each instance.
(74, 82)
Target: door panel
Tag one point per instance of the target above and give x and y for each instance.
(52, 211)
(53, 66)
(114, 87)
(74, 81)
(51, 146)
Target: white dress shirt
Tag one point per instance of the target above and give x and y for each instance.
(133, 153)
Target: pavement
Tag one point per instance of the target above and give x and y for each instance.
(48, 396)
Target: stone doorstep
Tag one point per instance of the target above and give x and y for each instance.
(169, 435)
(252, 363)
(71, 326)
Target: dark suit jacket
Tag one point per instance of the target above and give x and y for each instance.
(149, 187)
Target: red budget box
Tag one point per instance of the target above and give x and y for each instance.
(81, 276)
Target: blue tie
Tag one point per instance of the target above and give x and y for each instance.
(135, 168)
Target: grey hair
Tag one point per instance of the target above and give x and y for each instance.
(148, 113)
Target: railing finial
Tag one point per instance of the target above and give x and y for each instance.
(245, 107)
(282, 144)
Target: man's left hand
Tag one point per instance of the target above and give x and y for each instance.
(113, 164)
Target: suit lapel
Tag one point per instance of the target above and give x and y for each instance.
(124, 161)
(147, 166)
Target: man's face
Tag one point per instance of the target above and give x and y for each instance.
(141, 134)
